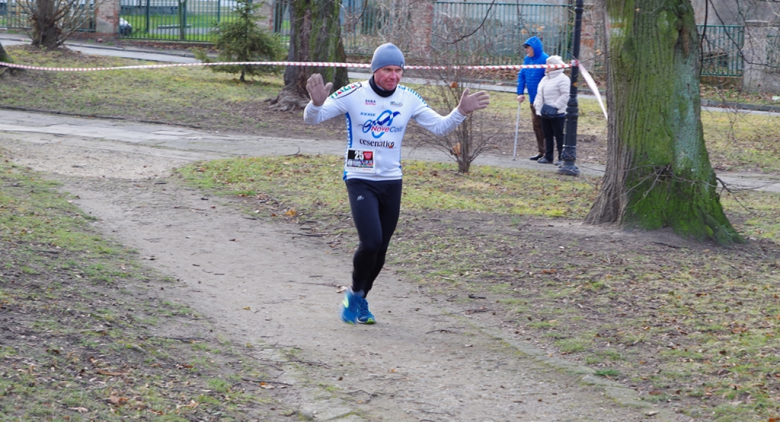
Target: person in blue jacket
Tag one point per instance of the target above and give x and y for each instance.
(530, 78)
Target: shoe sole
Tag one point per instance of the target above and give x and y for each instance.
(353, 322)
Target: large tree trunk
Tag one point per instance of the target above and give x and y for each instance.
(45, 29)
(658, 171)
(4, 57)
(315, 36)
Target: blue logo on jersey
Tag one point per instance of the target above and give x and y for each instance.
(382, 124)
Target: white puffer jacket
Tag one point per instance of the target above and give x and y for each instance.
(553, 90)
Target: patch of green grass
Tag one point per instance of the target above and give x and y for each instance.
(603, 356)
(543, 325)
(312, 187)
(749, 211)
(738, 141)
(191, 96)
(204, 348)
(609, 373)
(171, 309)
(572, 345)
(219, 385)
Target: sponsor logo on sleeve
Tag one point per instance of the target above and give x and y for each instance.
(345, 90)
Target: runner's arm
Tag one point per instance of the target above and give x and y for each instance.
(436, 123)
(331, 108)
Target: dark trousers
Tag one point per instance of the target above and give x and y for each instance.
(536, 121)
(375, 206)
(553, 130)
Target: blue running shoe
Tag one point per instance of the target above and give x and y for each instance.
(350, 307)
(364, 314)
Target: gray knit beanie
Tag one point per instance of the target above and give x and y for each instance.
(387, 55)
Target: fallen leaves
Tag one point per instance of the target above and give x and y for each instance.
(192, 404)
(456, 149)
(116, 400)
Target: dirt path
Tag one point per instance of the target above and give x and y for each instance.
(271, 286)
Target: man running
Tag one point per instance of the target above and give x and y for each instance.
(377, 112)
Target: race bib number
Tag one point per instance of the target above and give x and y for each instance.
(360, 160)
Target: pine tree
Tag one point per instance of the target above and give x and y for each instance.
(242, 40)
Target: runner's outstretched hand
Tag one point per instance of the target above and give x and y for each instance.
(317, 90)
(476, 101)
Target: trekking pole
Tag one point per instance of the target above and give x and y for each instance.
(517, 125)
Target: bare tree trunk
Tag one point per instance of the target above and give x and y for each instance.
(658, 170)
(315, 36)
(46, 32)
(4, 57)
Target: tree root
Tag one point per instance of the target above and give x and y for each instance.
(723, 234)
(288, 101)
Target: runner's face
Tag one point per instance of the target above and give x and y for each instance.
(388, 77)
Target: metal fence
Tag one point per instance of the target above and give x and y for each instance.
(721, 47)
(12, 16)
(180, 20)
(190, 20)
(773, 53)
(499, 28)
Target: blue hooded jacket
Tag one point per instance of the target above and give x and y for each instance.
(530, 77)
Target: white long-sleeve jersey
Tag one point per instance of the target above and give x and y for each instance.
(376, 127)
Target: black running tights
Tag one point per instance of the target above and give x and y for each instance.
(375, 208)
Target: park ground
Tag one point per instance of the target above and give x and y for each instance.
(210, 307)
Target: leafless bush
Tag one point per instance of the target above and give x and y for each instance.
(464, 45)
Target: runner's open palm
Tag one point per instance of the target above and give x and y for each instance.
(318, 91)
(476, 101)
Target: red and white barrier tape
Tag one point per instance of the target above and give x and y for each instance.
(304, 64)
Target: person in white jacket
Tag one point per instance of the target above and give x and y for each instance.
(553, 91)
(377, 112)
